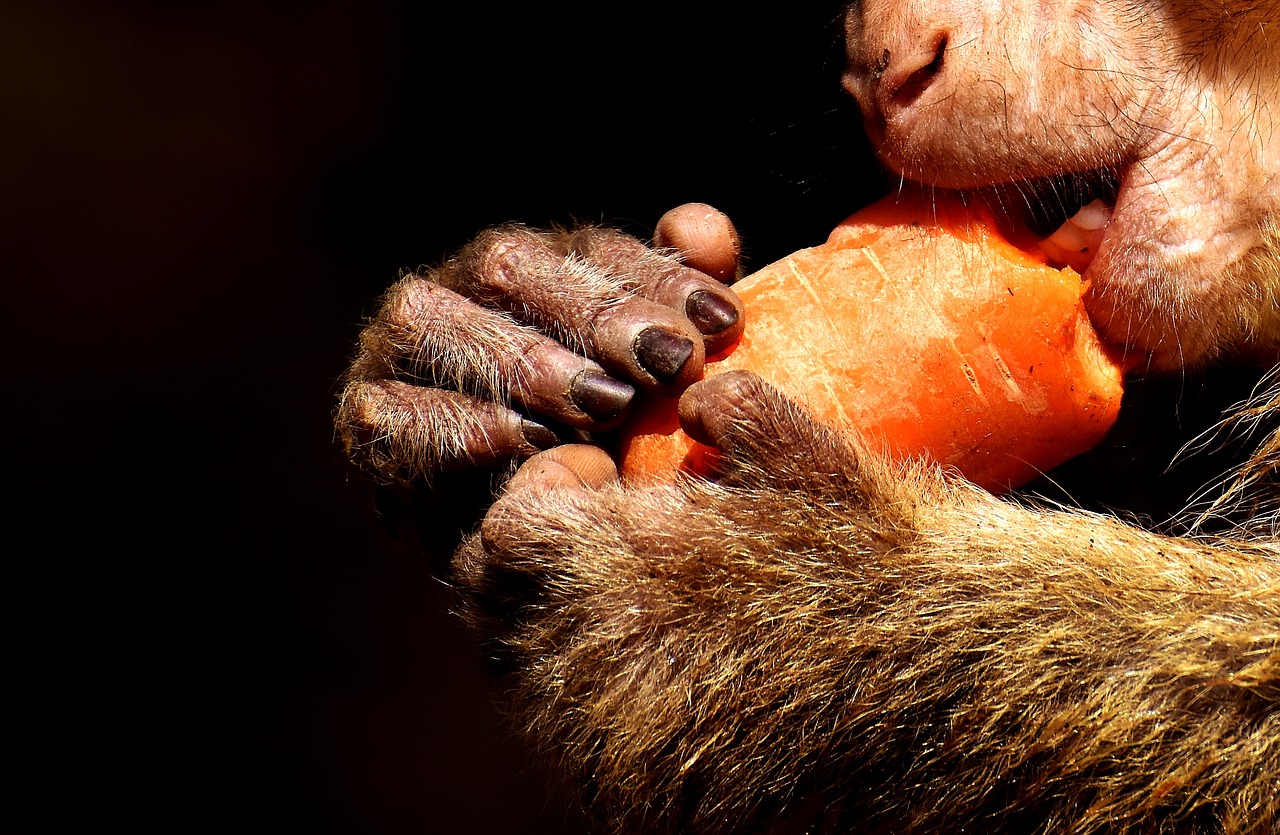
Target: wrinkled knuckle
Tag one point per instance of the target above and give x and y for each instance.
(383, 337)
(496, 261)
(495, 240)
(402, 299)
(361, 409)
(380, 426)
(415, 307)
(355, 408)
(406, 304)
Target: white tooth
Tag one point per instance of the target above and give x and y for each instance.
(1069, 237)
(1092, 217)
(1075, 242)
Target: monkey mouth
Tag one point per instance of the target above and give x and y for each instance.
(1067, 215)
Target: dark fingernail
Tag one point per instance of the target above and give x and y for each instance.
(538, 435)
(710, 313)
(662, 353)
(599, 395)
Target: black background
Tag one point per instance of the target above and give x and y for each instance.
(204, 629)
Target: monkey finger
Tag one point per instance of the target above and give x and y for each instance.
(406, 432)
(764, 434)
(580, 304)
(727, 410)
(573, 466)
(510, 543)
(705, 238)
(440, 338)
(712, 307)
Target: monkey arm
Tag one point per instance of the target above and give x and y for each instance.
(824, 641)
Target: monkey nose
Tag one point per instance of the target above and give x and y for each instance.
(888, 84)
(901, 75)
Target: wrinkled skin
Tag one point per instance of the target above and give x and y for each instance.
(1178, 100)
(820, 640)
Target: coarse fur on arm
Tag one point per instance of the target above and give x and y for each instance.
(878, 650)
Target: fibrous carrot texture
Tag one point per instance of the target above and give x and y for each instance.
(918, 324)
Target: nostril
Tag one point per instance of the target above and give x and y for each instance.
(882, 64)
(904, 83)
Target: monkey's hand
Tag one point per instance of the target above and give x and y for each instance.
(527, 339)
(825, 640)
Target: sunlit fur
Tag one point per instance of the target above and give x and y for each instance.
(872, 650)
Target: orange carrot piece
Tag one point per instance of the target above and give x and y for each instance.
(921, 326)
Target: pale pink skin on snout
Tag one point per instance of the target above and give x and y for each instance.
(955, 94)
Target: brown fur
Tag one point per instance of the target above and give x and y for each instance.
(914, 653)
(824, 642)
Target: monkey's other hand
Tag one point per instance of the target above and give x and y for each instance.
(823, 639)
(565, 519)
(526, 339)
(625, 622)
